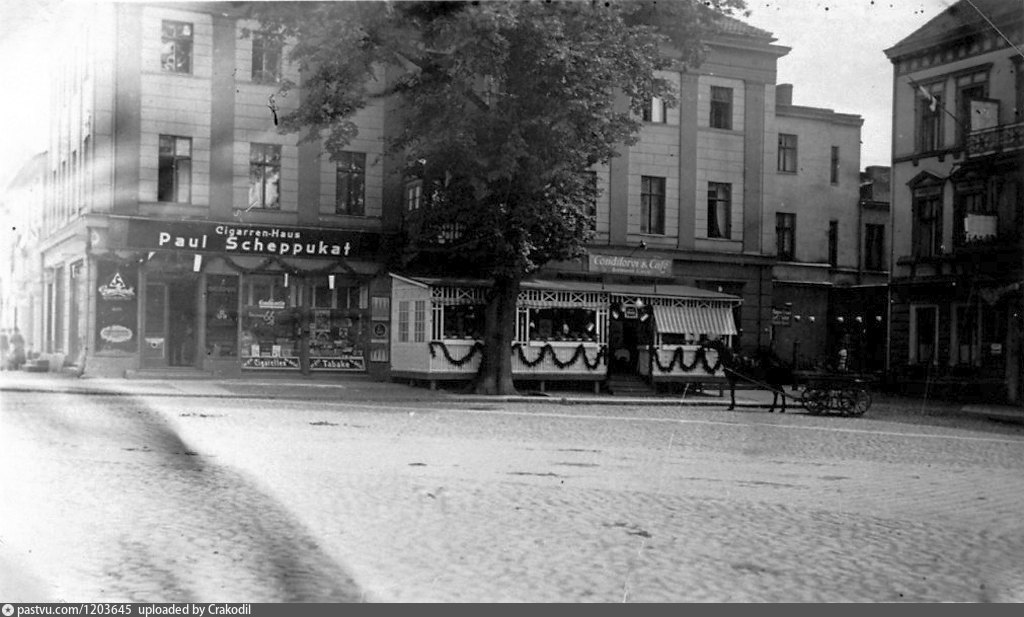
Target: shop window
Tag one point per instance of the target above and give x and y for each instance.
(652, 205)
(174, 178)
(787, 153)
(924, 334)
(463, 321)
(222, 316)
(350, 188)
(176, 47)
(266, 59)
(270, 321)
(265, 176)
(721, 108)
(336, 339)
(719, 210)
(562, 324)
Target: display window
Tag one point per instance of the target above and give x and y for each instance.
(337, 327)
(270, 323)
(562, 324)
(464, 321)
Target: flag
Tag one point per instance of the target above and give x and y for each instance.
(933, 103)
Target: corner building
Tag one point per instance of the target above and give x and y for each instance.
(183, 233)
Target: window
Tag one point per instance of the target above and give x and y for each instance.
(174, 178)
(403, 321)
(833, 243)
(655, 111)
(966, 336)
(176, 47)
(420, 321)
(350, 188)
(968, 88)
(976, 218)
(719, 210)
(721, 108)
(929, 119)
(924, 334)
(785, 235)
(265, 176)
(787, 153)
(874, 247)
(927, 229)
(652, 205)
(414, 195)
(591, 182)
(266, 59)
(833, 174)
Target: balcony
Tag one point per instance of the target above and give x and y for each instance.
(995, 140)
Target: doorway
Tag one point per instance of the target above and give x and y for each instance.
(171, 324)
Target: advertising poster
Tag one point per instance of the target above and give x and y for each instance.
(117, 308)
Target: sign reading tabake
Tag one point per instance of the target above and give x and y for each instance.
(636, 266)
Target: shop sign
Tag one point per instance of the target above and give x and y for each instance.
(271, 363)
(782, 316)
(353, 363)
(271, 304)
(380, 332)
(116, 308)
(636, 266)
(247, 239)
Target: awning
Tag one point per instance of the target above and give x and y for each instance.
(694, 320)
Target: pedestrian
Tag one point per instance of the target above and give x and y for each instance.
(5, 347)
(17, 351)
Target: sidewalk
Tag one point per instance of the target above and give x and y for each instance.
(354, 389)
(363, 389)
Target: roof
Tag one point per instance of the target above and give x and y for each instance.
(736, 27)
(33, 170)
(657, 290)
(962, 19)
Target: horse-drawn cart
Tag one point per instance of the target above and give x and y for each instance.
(842, 393)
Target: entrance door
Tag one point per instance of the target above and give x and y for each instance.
(171, 329)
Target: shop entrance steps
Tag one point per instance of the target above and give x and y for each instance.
(629, 385)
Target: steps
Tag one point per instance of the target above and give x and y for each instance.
(629, 385)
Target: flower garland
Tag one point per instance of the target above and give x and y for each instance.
(579, 353)
(477, 347)
(677, 358)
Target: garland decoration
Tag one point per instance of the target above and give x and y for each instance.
(579, 354)
(700, 357)
(477, 347)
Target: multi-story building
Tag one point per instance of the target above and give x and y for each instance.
(958, 168)
(184, 231)
(21, 207)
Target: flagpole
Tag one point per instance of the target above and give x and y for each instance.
(939, 103)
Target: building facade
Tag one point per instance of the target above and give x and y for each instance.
(183, 232)
(956, 202)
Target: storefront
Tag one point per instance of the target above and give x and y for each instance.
(565, 330)
(231, 299)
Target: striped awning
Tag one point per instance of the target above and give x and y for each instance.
(694, 320)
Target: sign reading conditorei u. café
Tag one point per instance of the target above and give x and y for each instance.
(248, 239)
(636, 266)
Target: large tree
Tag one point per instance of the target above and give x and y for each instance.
(503, 107)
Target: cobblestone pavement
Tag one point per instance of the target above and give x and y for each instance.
(435, 500)
(103, 502)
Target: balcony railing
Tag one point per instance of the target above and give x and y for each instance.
(1003, 138)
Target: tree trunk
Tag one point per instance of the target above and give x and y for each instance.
(495, 374)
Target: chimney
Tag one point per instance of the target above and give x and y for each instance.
(783, 94)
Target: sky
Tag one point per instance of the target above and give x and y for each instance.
(836, 62)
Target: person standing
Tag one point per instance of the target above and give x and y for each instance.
(17, 351)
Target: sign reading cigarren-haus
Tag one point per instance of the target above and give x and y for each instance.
(248, 239)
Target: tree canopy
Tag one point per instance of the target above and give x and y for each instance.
(502, 109)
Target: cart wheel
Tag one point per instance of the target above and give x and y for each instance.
(814, 400)
(861, 402)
